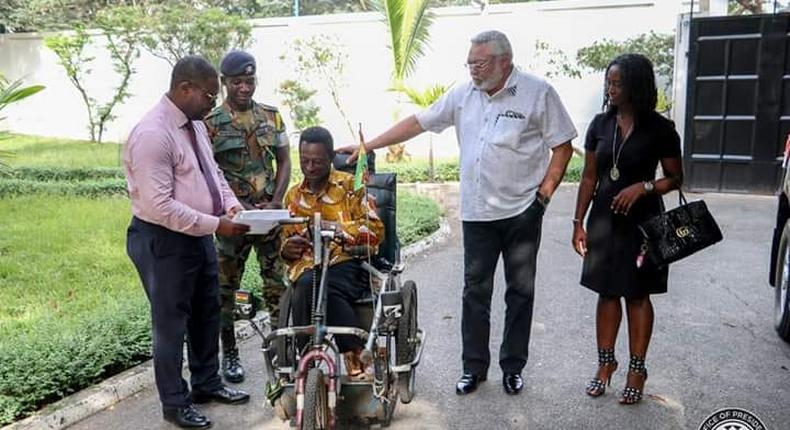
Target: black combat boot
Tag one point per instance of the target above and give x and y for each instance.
(231, 366)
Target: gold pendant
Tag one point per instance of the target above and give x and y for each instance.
(614, 173)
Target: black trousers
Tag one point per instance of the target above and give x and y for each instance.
(179, 274)
(517, 240)
(347, 282)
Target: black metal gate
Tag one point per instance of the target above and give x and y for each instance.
(738, 103)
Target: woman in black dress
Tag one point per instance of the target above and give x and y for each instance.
(623, 147)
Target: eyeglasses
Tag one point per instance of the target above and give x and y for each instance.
(479, 64)
(210, 97)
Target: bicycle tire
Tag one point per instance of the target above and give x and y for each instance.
(316, 406)
(405, 348)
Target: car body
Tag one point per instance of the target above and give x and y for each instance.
(779, 274)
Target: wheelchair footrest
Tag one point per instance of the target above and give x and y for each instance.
(417, 357)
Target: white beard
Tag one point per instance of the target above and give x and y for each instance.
(489, 83)
(483, 86)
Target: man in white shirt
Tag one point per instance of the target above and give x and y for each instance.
(514, 136)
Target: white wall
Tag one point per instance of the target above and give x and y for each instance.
(565, 24)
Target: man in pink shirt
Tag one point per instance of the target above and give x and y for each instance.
(179, 200)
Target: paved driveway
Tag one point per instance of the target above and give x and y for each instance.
(713, 347)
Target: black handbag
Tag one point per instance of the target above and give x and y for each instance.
(679, 232)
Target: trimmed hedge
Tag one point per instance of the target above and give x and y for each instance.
(408, 172)
(417, 171)
(93, 188)
(49, 174)
(418, 216)
(574, 171)
(50, 362)
(448, 171)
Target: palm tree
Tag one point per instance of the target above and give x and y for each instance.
(408, 22)
(423, 99)
(11, 93)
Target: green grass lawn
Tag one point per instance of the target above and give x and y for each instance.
(37, 151)
(71, 309)
(62, 258)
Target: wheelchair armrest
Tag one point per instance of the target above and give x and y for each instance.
(376, 273)
(397, 269)
(381, 263)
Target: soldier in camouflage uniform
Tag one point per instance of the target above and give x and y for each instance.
(248, 138)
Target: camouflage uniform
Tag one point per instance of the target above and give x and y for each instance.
(245, 144)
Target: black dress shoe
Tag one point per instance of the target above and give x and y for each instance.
(513, 383)
(468, 383)
(186, 417)
(231, 367)
(222, 394)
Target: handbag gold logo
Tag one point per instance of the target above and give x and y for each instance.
(682, 232)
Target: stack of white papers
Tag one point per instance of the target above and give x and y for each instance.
(261, 220)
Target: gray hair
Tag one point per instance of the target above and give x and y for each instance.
(498, 41)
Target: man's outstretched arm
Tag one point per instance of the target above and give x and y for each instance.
(402, 131)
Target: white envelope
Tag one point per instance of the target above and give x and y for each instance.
(261, 220)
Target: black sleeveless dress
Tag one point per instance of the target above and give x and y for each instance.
(613, 240)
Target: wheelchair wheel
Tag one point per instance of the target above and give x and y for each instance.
(316, 405)
(283, 345)
(405, 348)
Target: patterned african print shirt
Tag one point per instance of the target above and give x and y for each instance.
(337, 203)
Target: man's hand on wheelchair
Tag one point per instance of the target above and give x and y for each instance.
(349, 149)
(294, 247)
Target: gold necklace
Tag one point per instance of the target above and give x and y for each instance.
(614, 174)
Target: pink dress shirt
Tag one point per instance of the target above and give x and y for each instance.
(163, 176)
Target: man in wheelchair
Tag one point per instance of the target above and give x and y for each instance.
(354, 218)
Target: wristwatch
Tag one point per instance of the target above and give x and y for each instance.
(544, 200)
(650, 186)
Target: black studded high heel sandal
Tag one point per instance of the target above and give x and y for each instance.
(631, 395)
(597, 387)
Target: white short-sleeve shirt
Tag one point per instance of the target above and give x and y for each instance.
(504, 139)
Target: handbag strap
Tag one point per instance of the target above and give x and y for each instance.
(681, 198)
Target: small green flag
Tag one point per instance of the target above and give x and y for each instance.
(360, 176)
(361, 173)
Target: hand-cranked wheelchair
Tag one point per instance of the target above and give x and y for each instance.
(307, 386)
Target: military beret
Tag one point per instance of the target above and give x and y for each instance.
(237, 63)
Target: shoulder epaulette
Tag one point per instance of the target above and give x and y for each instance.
(268, 107)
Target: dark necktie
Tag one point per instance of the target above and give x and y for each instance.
(216, 199)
